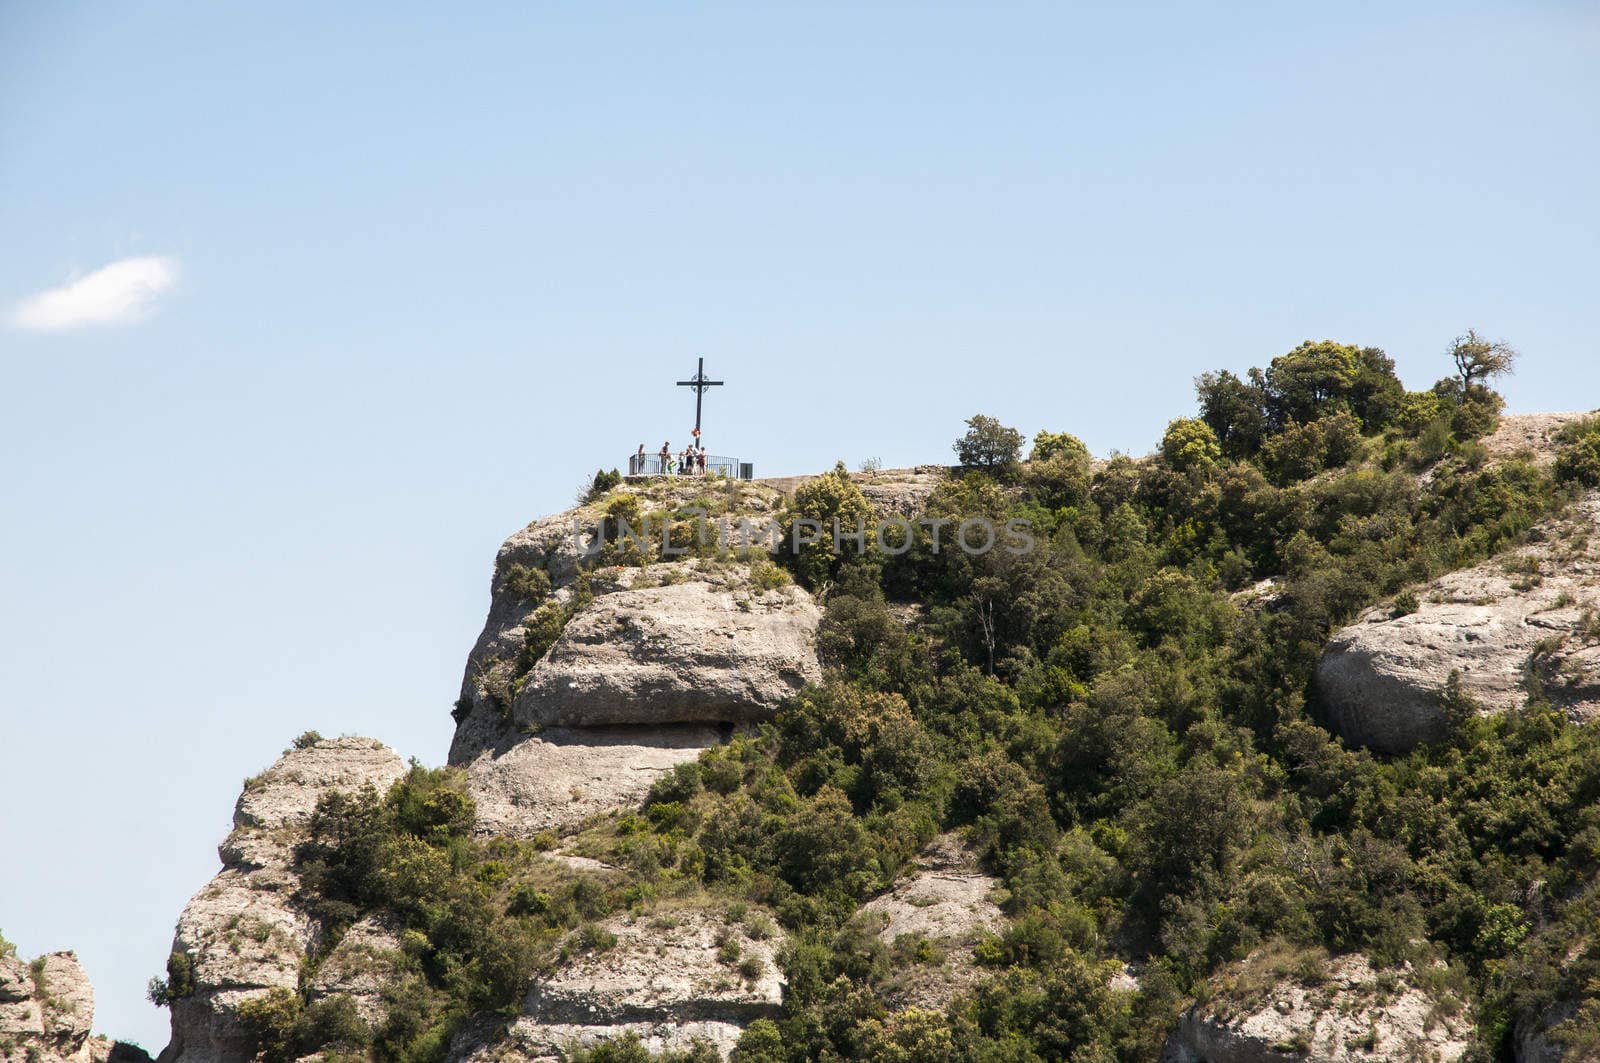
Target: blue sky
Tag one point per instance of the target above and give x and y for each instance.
(397, 277)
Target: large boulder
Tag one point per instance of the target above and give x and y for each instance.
(944, 902)
(671, 976)
(243, 934)
(1522, 623)
(1275, 1007)
(687, 652)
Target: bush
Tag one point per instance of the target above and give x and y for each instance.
(602, 484)
(819, 507)
(1578, 454)
(178, 983)
(526, 583)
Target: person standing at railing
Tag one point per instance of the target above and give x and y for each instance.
(700, 458)
(666, 458)
(636, 463)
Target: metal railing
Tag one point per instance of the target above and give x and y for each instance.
(716, 465)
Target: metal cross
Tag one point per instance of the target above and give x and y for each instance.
(699, 383)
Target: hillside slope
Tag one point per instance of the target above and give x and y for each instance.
(1085, 800)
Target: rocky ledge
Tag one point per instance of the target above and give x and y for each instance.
(1522, 624)
(685, 652)
(945, 904)
(672, 976)
(1277, 1007)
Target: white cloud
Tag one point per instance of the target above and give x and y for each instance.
(122, 291)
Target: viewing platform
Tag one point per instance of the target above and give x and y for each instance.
(716, 465)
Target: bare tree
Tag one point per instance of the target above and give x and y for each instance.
(1478, 359)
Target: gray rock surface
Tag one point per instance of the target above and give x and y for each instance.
(556, 545)
(359, 966)
(688, 652)
(242, 931)
(555, 780)
(1520, 623)
(946, 900)
(1347, 1013)
(47, 1011)
(663, 979)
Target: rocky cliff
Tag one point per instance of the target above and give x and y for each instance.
(588, 683)
(47, 1013)
(246, 932)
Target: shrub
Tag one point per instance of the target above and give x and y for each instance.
(178, 983)
(306, 740)
(592, 937)
(525, 582)
(271, 1025)
(766, 576)
(602, 484)
(676, 786)
(828, 502)
(1578, 455)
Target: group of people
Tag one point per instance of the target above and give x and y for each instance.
(690, 461)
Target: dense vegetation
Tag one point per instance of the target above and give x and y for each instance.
(1121, 720)
(1126, 731)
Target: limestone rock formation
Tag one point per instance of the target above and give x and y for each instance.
(549, 553)
(47, 1011)
(946, 901)
(900, 492)
(359, 966)
(1522, 623)
(242, 933)
(1266, 1010)
(46, 1008)
(672, 976)
(555, 780)
(689, 652)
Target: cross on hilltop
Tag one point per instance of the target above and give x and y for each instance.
(699, 383)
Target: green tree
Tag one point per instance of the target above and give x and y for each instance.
(989, 444)
(1235, 410)
(1050, 445)
(1190, 444)
(1478, 359)
(822, 508)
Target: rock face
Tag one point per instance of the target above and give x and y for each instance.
(46, 1011)
(1520, 624)
(243, 933)
(1345, 1013)
(689, 652)
(560, 777)
(945, 901)
(687, 641)
(1531, 434)
(672, 977)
